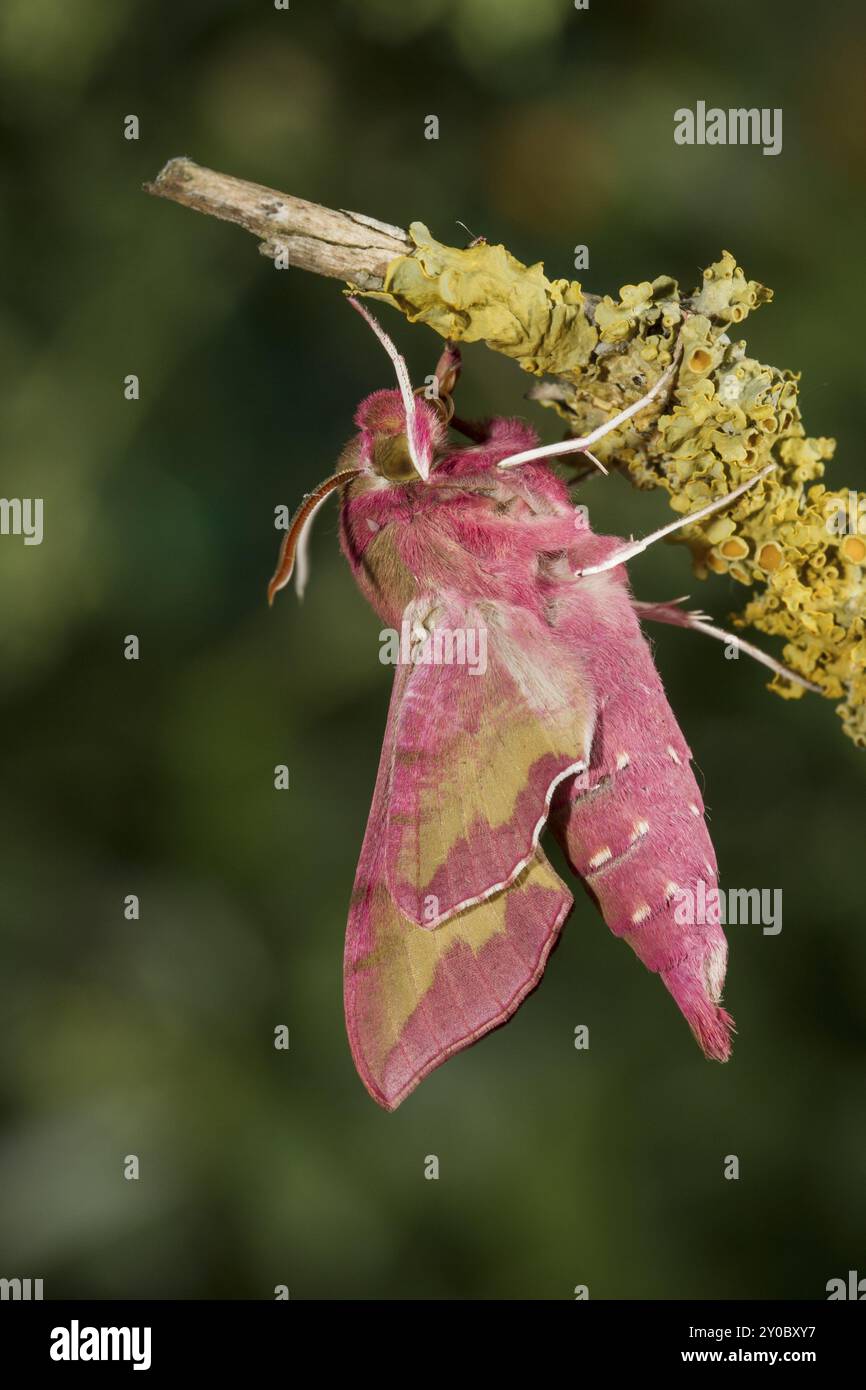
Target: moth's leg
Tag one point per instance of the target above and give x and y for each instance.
(448, 369)
(699, 622)
(445, 377)
(585, 443)
(598, 463)
(637, 547)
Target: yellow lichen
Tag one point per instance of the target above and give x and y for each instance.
(734, 549)
(728, 415)
(484, 294)
(853, 550)
(769, 557)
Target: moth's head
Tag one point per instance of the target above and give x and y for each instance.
(400, 433)
(385, 434)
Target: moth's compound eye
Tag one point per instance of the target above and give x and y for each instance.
(391, 458)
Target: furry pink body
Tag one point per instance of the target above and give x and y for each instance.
(569, 725)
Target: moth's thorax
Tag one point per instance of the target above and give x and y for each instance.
(485, 532)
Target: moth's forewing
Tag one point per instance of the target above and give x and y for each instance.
(495, 714)
(415, 996)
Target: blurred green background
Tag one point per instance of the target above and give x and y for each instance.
(155, 1037)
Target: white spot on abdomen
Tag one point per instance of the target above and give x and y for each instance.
(601, 857)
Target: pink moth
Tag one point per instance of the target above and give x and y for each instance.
(455, 907)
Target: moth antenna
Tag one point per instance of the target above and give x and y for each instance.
(629, 551)
(699, 622)
(293, 551)
(583, 445)
(418, 455)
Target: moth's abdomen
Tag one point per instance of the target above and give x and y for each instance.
(634, 830)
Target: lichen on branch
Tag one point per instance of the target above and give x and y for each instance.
(727, 416)
(786, 541)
